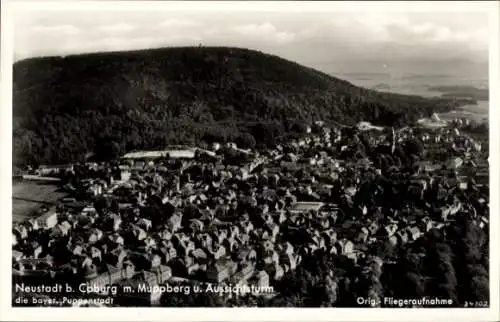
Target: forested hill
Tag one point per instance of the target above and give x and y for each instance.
(65, 107)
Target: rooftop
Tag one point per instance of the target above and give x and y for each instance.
(180, 154)
(305, 206)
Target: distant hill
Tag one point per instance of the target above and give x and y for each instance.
(480, 94)
(109, 103)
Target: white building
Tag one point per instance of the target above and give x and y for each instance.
(48, 220)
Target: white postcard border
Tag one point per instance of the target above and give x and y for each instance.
(243, 314)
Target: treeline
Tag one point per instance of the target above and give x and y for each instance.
(449, 264)
(110, 103)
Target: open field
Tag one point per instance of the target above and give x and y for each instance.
(28, 196)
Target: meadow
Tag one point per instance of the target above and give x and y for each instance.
(29, 196)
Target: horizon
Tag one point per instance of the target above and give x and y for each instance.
(367, 67)
(322, 40)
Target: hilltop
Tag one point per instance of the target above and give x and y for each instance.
(109, 103)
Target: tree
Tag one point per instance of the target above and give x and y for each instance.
(413, 147)
(479, 289)
(415, 285)
(246, 140)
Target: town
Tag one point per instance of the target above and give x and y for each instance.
(224, 216)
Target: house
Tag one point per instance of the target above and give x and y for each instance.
(426, 167)
(140, 281)
(125, 175)
(33, 224)
(199, 255)
(260, 279)
(344, 246)
(373, 228)
(164, 234)
(234, 231)
(90, 273)
(61, 229)
(188, 262)
(110, 275)
(243, 239)
(414, 233)
(163, 273)
(286, 248)
(116, 257)
(483, 222)
(246, 226)
(230, 244)
(317, 240)
(17, 255)
(85, 260)
(330, 237)
(196, 225)
(115, 220)
(117, 239)
(168, 252)
(192, 268)
(218, 252)
(402, 237)
(21, 231)
(205, 240)
(426, 224)
(188, 247)
(95, 253)
(145, 224)
(48, 220)
(139, 233)
(95, 235)
(272, 230)
(290, 260)
(149, 243)
(247, 255)
(243, 275)
(282, 217)
(174, 222)
(267, 245)
(270, 257)
(221, 270)
(363, 235)
(274, 271)
(393, 240)
(81, 220)
(446, 212)
(35, 248)
(77, 250)
(390, 229)
(144, 261)
(455, 163)
(306, 207)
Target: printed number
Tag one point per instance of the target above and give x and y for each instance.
(476, 304)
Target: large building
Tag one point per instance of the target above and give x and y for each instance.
(186, 153)
(47, 220)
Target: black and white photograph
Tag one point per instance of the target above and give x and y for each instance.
(251, 155)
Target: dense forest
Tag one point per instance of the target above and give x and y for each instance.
(67, 107)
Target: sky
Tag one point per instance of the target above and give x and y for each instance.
(322, 39)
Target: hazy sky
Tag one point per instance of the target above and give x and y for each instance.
(317, 39)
